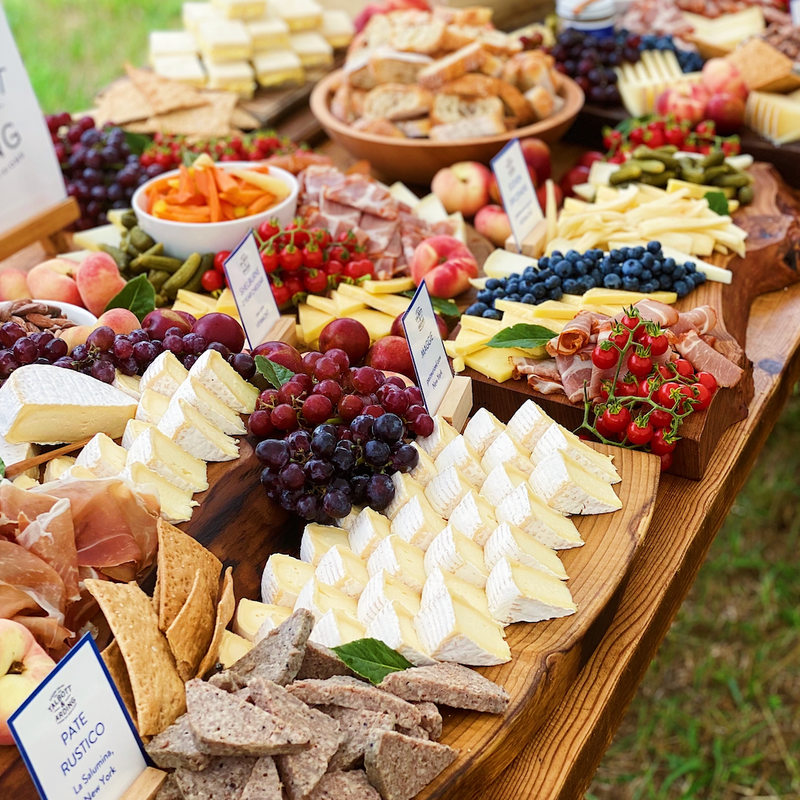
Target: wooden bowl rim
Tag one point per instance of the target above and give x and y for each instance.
(320, 107)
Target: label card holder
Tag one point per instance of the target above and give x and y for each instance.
(75, 734)
(251, 291)
(434, 375)
(516, 188)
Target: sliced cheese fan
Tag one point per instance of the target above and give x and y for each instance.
(394, 626)
(318, 539)
(158, 452)
(400, 559)
(417, 523)
(335, 628)
(102, 456)
(532, 515)
(451, 551)
(341, 568)
(459, 453)
(482, 430)
(511, 542)
(367, 532)
(283, 578)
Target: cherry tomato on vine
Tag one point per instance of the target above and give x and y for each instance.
(667, 372)
(601, 428)
(321, 237)
(660, 418)
(640, 366)
(662, 442)
(620, 339)
(333, 267)
(281, 294)
(630, 322)
(269, 258)
(647, 386)
(268, 229)
(312, 256)
(315, 281)
(702, 396)
(616, 421)
(358, 269)
(687, 396)
(290, 258)
(684, 368)
(639, 434)
(658, 344)
(294, 283)
(299, 236)
(627, 387)
(219, 260)
(213, 280)
(605, 387)
(666, 461)
(348, 239)
(339, 252)
(664, 394)
(604, 358)
(708, 380)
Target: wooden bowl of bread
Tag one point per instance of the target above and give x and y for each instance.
(422, 90)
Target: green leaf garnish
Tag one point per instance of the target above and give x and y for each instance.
(2, 469)
(371, 659)
(525, 337)
(447, 308)
(718, 203)
(137, 142)
(188, 158)
(275, 374)
(138, 296)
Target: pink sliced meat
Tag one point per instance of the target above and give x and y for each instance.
(385, 267)
(28, 584)
(654, 311)
(380, 233)
(574, 337)
(542, 368)
(358, 191)
(338, 218)
(543, 386)
(701, 319)
(314, 179)
(704, 357)
(576, 373)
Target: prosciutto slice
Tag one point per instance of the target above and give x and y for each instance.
(543, 386)
(542, 368)
(338, 218)
(654, 311)
(573, 337)
(575, 371)
(704, 357)
(381, 233)
(15, 501)
(28, 585)
(701, 319)
(358, 191)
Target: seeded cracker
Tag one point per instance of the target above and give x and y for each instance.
(122, 102)
(225, 609)
(211, 120)
(190, 634)
(157, 688)
(119, 674)
(163, 94)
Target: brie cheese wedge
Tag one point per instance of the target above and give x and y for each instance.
(381, 589)
(350, 520)
(341, 568)
(528, 424)
(394, 626)
(152, 407)
(474, 517)
(318, 539)
(176, 505)
(504, 450)
(458, 453)
(223, 381)
(401, 559)
(405, 487)
(501, 482)
(531, 514)
(439, 581)
(568, 487)
(335, 628)
(447, 490)
(451, 551)
(522, 594)
(187, 427)
(133, 429)
(14, 453)
(482, 430)
(24, 481)
(283, 578)
(210, 406)
(169, 460)
(56, 467)
(425, 471)
(508, 541)
(417, 523)
(443, 432)
(77, 472)
(319, 598)
(102, 456)
(558, 438)
(129, 384)
(164, 375)
(251, 615)
(367, 532)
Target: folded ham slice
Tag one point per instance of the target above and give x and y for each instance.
(705, 358)
(702, 319)
(576, 372)
(574, 336)
(546, 368)
(358, 191)
(544, 386)
(28, 585)
(654, 311)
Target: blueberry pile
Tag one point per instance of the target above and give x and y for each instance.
(635, 269)
(688, 61)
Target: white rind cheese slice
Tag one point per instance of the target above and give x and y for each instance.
(518, 593)
(187, 427)
(103, 457)
(449, 630)
(401, 559)
(405, 487)
(152, 407)
(176, 505)
(417, 523)
(443, 433)
(129, 384)
(394, 626)
(283, 578)
(318, 539)
(482, 430)
(319, 598)
(568, 487)
(14, 453)
(169, 460)
(504, 450)
(447, 490)
(251, 615)
(223, 381)
(532, 515)
(458, 453)
(24, 481)
(501, 482)
(451, 551)
(511, 542)
(528, 425)
(336, 628)
(440, 581)
(164, 375)
(350, 520)
(77, 472)
(558, 438)
(474, 517)
(381, 589)
(43, 404)
(425, 471)
(367, 532)
(341, 568)
(133, 430)
(210, 406)
(57, 467)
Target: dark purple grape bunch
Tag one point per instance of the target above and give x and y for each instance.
(20, 348)
(188, 347)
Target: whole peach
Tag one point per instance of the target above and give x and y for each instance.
(14, 285)
(98, 281)
(463, 187)
(537, 156)
(492, 222)
(445, 264)
(721, 75)
(120, 320)
(52, 280)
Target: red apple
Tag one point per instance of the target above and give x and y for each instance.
(399, 330)
(218, 327)
(158, 322)
(348, 335)
(445, 264)
(726, 111)
(191, 319)
(391, 353)
(23, 666)
(492, 222)
(589, 157)
(721, 75)
(463, 187)
(575, 175)
(541, 193)
(537, 155)
(281, 353)
(687, 103)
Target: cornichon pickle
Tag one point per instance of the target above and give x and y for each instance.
(745, 195)
(182, 276)
(158, 278)
(659, 179)
(145, 262)
(206, 263)
(645, 153)
(121, 259)
(626, 173)
(712, 173)
(737, 180)
(713, 159)
(161, 301)
(140, 240)
(128, 220)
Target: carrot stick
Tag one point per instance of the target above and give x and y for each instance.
(225, 181)
(207, 186)
(262, 204)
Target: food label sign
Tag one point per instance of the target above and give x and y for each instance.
(30, 177)
(427, 349)
(75, 734)
(516, 189)
(251, 290)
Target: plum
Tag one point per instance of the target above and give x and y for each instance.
(348, 335)
(281, 353)
(222, 328)
(158, 322)
(398, 330)
(391, 353)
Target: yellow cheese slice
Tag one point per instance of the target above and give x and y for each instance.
(494, 362)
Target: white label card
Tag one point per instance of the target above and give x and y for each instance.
(434, 375)
(516, 189)
(74, 732)
(251, 290)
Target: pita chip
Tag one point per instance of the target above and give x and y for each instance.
(164, 94)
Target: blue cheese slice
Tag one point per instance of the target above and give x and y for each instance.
(510, 542)
(530, 513)
(417, 523)
(283, 578)
(451, 551)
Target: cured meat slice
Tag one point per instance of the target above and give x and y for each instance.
(27, 584)
(542, 368)
(654, 311)
(702, 319)
(544, 386)
(576, 370)
(704, 357)
(15, 501)
(298, 161)
(573, 337)
(360, 192)
(338, 218)
(314, 179)
(381, 233)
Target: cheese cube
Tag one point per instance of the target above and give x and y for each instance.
(186, 69)
(268, 34)
(341, 568)
(367, 532)
(458, 453)
(528, 424)
(158, 452)
(417, 523)
(530, 513)
(224, 40)
(283, 578)
(164, 375)
(277, 67)
(394, 626)
(241, 9)
(474, 518)
(172, 43)
(504, 450)
(103, 457)
(335, 628)
(232, 76)
(338, 30)
(405, 487)
(398, 558)
(318, 539)
(319, 598)
(381, 589)
(299, 15)
(509, 541)
(451, 551)
(251, 615)
(482, 430)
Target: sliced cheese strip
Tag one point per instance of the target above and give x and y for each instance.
(511, 542)
(252, 615)
(504, 450)
(283, 578)
(210, 406)
(341, 568)
(398, 558)
(501, 482)
(222, 380)
(319, 598)
(383, 588)
(528, 424)
(367, 532)
(187, 427)
(451, 551)
(318, 539)
(458, 453)
(103, 457)
(482, 430)
(405, 487)
(558, 438)
(474, 517)
(158, 452)
(528, 512)
(164, 375)
(335, 628)
(394, 626)
(417, 523)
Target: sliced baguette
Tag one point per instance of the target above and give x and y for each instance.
(392, 66)
(396, 101)
(381, 127)
(451, 67)
(470, 128)
(423, 38)
(416, 128)
(476, 85)
(449, 108)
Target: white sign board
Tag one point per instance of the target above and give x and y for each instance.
(30, 177)
(516, 188)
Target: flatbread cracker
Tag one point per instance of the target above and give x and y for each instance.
(157, 688)
(244, 120)
(179, 557)
(212, 120)
(225, 609)
(115, 664)
(190, 634)
(164, 94)
(122, 102)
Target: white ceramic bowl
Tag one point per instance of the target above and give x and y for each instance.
(181, 239)
(80, 316)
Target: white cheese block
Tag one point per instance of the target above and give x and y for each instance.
(459, 453)
(283, 578)
(417, 523)
(335, 628)
(367, 532)
(152, 407)
(401, 559)
(439, 581)
(25, 481)
(187, 427)
(518, 593)
(211, 407)
(474, 517)
(78, 473)
(318, 539)
(251, 615)
(14, 453)
(447, 490)
(223, 381)
(425, 471)
(567, 487)
(504, 450)
(43, 404)
(449, 630)
(164, 375)
(172, 462)
(341, 568)
(176, 505)
(56, 467)
(134, 429)
(381, 589)
(528, 424)
(482, 430)
(443, 432)
(103, 457)
(559, 438)
(350, 520)
(451, 551)
(394, 626)
(501, 482)
(529, 513)
(510, 542)
(129, 384)
(319, 598)
(405, 487)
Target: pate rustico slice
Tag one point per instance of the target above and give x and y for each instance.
(176, 747)
(224, 777)
(321, 662)
(355, 726)
(352, 785)
(431, 720)
(263, 783)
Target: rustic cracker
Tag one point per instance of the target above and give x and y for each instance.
(157, 688)
(122, 102)
(164, 94)
(212, 120)
(115, 664)
(225, 609)
(190, 634)
(244, 120)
